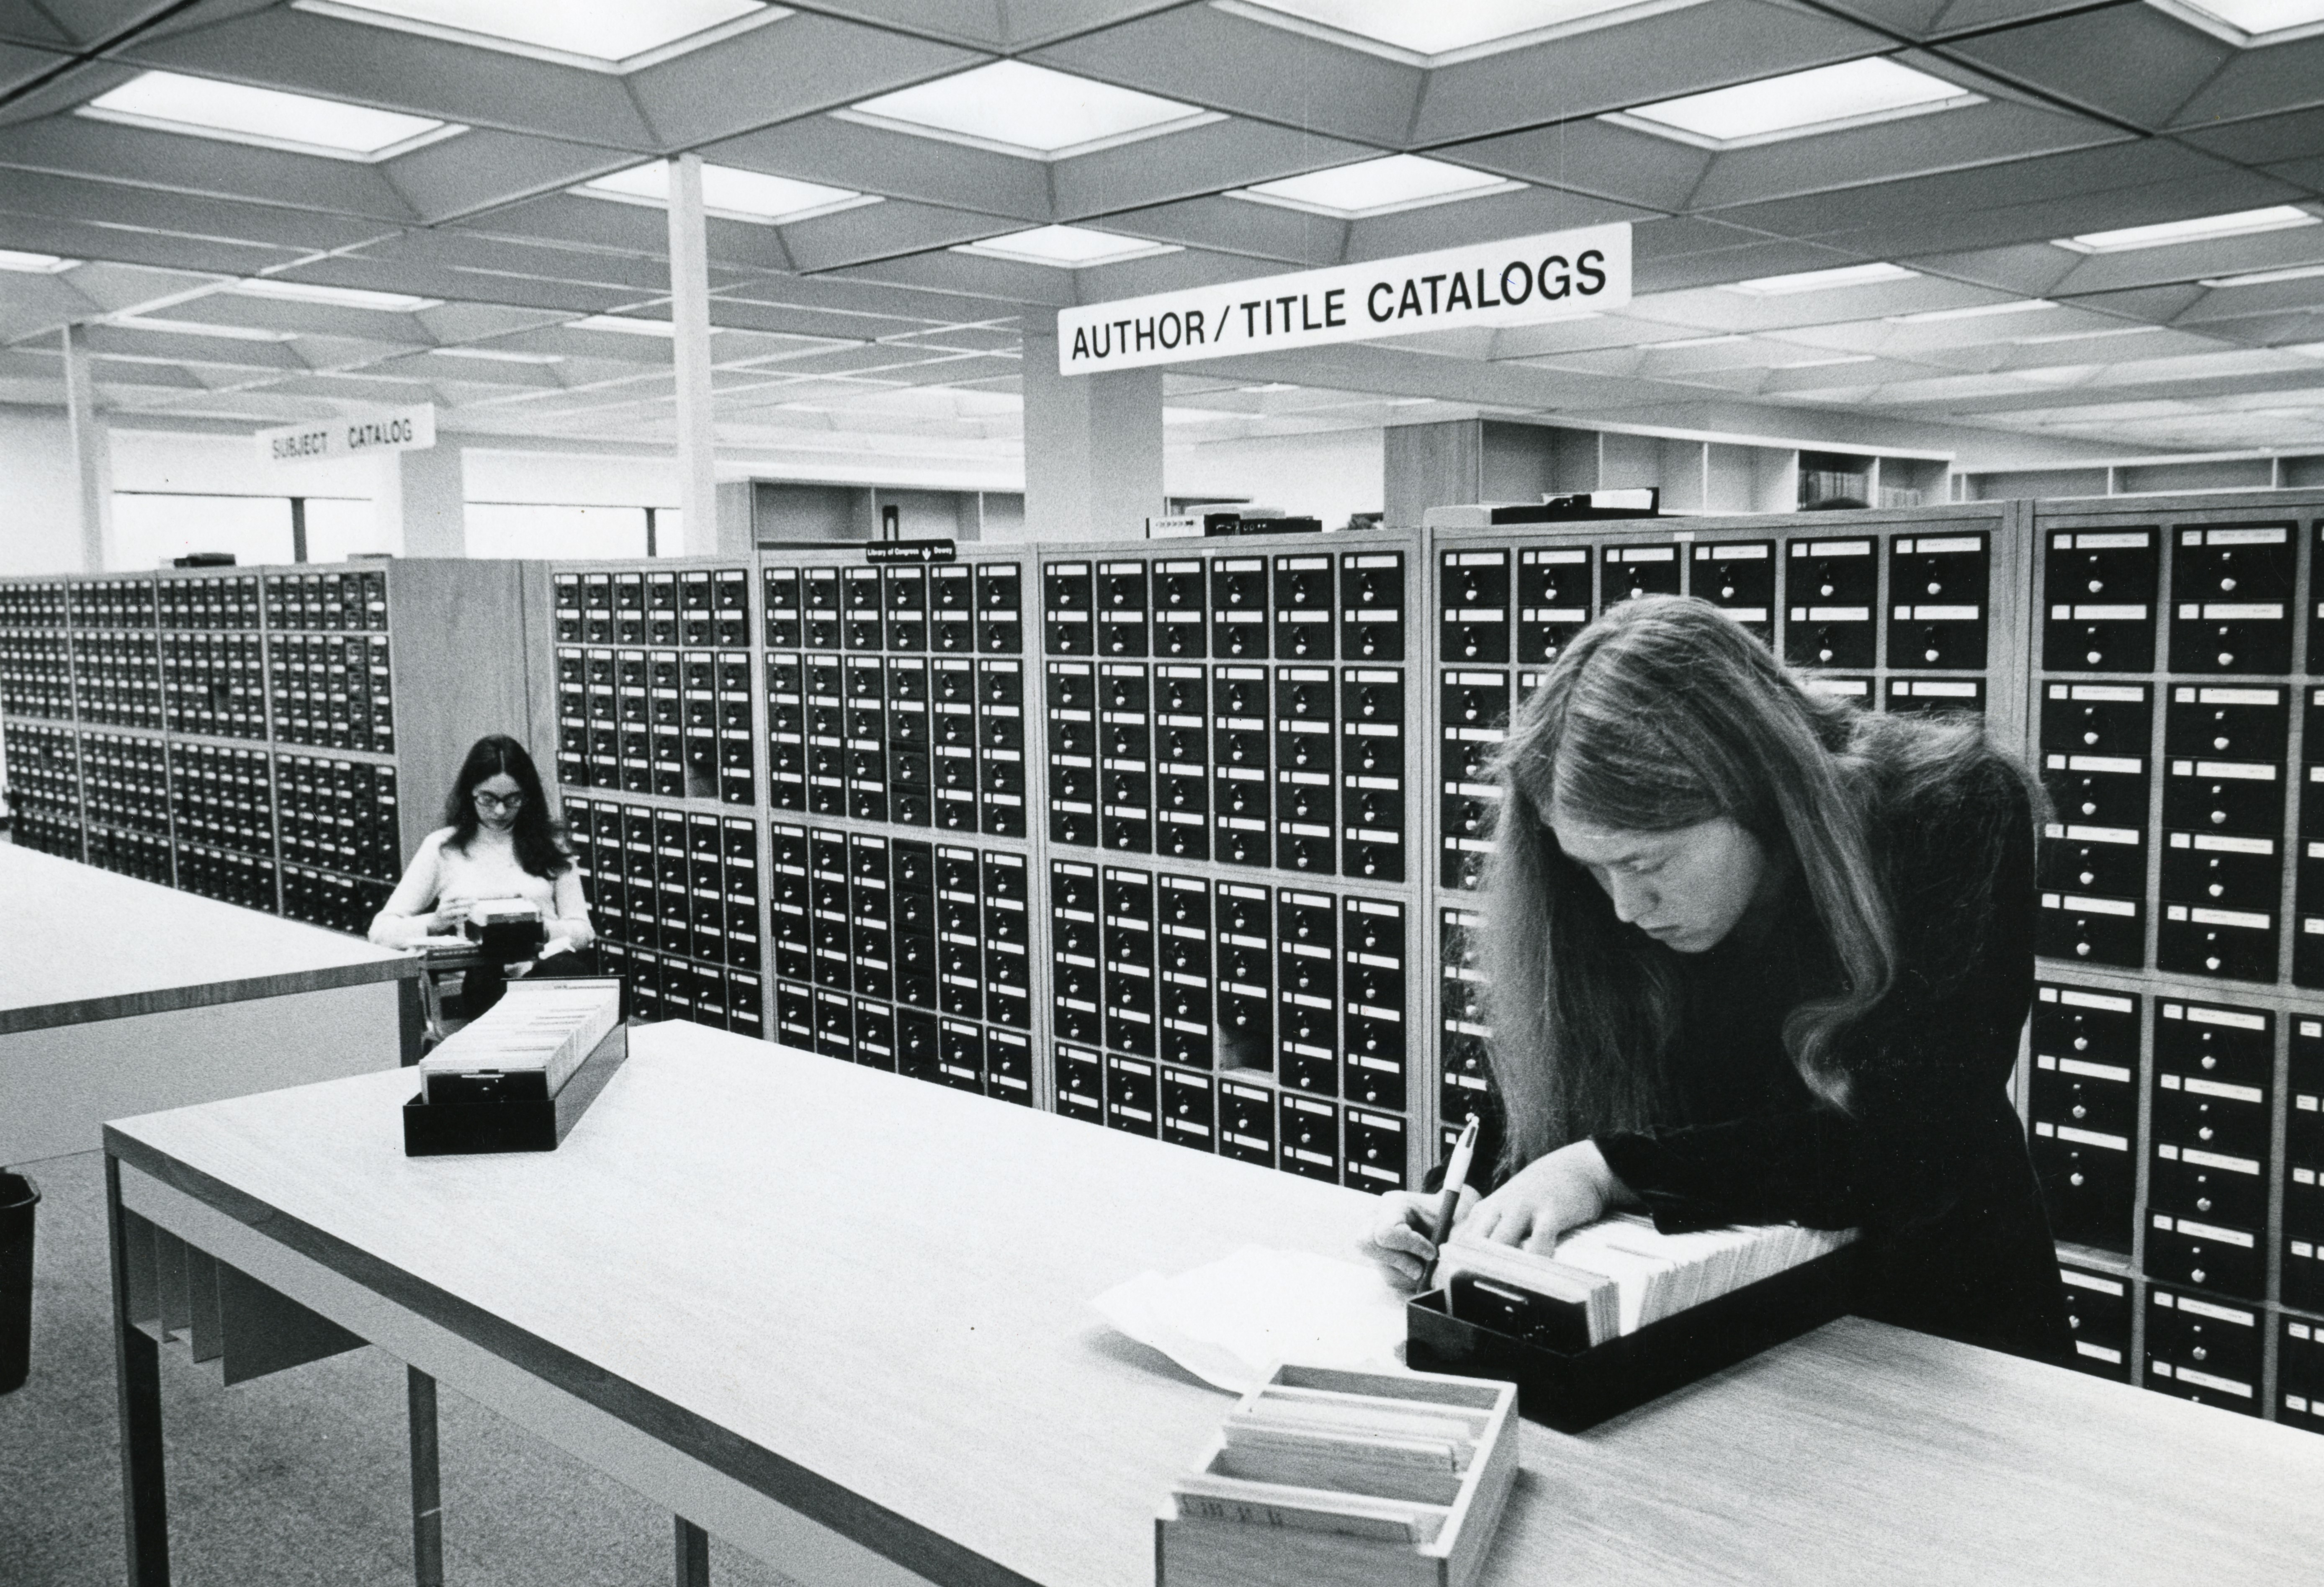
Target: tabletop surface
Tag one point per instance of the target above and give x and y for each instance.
(73, 936)
(882, 1286)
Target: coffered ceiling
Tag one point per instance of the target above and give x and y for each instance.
(851, 322)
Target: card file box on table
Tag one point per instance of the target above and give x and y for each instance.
(522, 1122)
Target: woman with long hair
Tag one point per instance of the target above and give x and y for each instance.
(498, 841)
(1755, 956)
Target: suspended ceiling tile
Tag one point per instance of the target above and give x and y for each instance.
(1031, 23)
(73, 145)
(624, 236)
(483, 169)
(632, 269)
(1561, 337)
(898, 165)
(2031, 270)
(124, 374)
(1495, 216)
(1199, 55)
(1745, 262)
(304, 52)
(115, 287)
(2260, 82)
(2305, 174)
(2263, 328)
(839, 295)
(1591, 156)
(982, 24)
(1915, 18)
(75, 200)
(806, 320)
(2291, 248)
(43, 299)
(883, 231)
(1658, 57)
(2150, 305)
(2134, 63)
(1995, 133)
(23, 23)
(69, 87)
(1165, 273)
(978, 339)
(20, 67)
(354, 388)
(1001, 281)
(1203, 160)
(1268, 233)
(73, 240)
(2266, 140)
(474, 322)
(466, 372)
(786, 68)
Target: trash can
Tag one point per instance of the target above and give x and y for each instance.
(18, 1197)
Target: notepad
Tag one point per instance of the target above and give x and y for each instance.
(1227, 1323)
(1622, 1273)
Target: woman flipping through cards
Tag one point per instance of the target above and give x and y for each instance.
(1757, 956)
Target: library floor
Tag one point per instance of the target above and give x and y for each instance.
(298, 1478)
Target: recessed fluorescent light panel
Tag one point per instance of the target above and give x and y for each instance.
(34, 263)
(1442, 34)
(1068, 247)
(598, 35)
(2263, 278)
(2242, 223)
(166, 101)
(196, 327)
(1817, 281)
(1692, 342)
(295, 291)
(729, 192)
(1797, 105)
(1013, 107)
(1376, 187)
(497, 356)
(2086, 336)
(1976, 311)
(2250, 21)
(629, 325)
(1828, 363)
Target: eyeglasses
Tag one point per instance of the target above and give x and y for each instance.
(490, 802)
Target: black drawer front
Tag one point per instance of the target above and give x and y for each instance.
(2217, 1257)
(2098, 1310)
(2093, 929)
(2086, 1178)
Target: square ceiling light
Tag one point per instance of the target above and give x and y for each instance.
(298, 292)
(1012, 107)
(497, 356)
(596, 35)
(2246, 22)
(1797, 105)
(2203, 229)
(34, 263)
(1376, 187)
(169, 102)
(630, 325)
(729, 192)
(2263, 278)
(1445, 33)
(1975, 311)
(1817, 281)
(1067, 247)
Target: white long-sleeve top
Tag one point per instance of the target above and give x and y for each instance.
(487, 869)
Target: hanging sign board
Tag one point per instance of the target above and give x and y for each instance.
(1524, 281)
(395, 429)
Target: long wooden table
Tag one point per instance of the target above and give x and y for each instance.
(840, 1319)
(119, 996)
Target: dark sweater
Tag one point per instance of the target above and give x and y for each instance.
(1930, 1160)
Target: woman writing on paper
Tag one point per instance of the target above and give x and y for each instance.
(1759, 957)
(498, 841)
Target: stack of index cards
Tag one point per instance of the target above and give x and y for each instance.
(526, 1047)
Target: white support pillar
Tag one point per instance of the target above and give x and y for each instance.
(92, 453)
(421, 501)
(1092, 447)
(689, 313)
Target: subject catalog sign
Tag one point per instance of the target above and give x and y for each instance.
(1522, 281)
(396, 429)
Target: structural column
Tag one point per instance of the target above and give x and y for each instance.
(421, 501)
(1092, 447)
(92, 457)
(689, 313)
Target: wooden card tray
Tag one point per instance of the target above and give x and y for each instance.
(1576, 1390)
(1201, 1551)
(440, 1129)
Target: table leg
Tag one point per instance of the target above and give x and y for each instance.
(427, 1491)
(693, 1554)
(137, 1371)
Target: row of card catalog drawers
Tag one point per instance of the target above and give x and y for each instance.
(1299, 767)
(36, 675)
(956, 609)
(2231, 600)
(1306, 607)
(668, 986)
(902, 739)
(1238, 1118)
(1936, 611)
(2198, 1347)
(1233, 976)
(984, 1059)
(700, 608)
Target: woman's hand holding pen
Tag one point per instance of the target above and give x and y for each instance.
(1569, 1187)
(1398, 1239)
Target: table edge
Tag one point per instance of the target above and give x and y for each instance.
(828, 1503)
(168, 1000)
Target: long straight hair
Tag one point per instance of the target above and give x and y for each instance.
(1663, 713)
(535, 835)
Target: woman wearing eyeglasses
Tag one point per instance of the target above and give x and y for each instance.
(497, 841)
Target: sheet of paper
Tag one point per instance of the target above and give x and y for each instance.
(1230, 1323)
